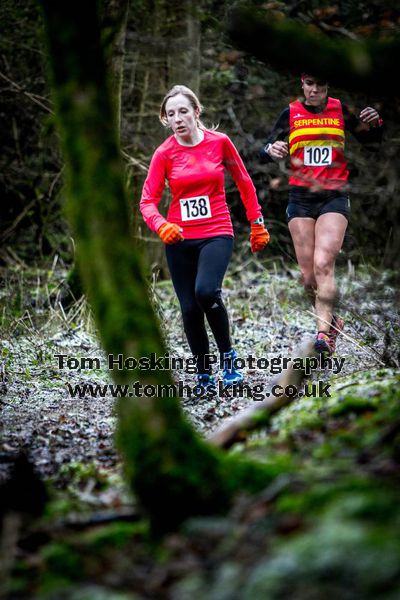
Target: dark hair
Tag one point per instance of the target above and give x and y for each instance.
(320, 81)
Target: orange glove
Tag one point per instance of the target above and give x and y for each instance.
(259, 237)
(170, 233)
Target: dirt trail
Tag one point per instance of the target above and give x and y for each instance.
(269, 318)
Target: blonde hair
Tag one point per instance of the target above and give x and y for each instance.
(191, 96)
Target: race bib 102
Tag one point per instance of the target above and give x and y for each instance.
(195, 208)
(317, 156)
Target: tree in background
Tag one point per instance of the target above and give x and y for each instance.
(114, 15)
(163, 48)
(30, 166)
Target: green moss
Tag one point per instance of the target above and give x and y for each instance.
(60, 506)
(80, 473)
(21, 579)
(114, 535)
(356, 496)
(243, 474)
(352, 404)
(334, 560)
(74, 282)
(197, 478)
(63, 566)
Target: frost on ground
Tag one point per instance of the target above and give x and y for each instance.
(70, 437)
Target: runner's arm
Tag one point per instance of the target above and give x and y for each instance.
(152, 192)
(238, 171)
(369, 136)
(279, 132)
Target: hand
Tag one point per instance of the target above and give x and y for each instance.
(170, 233)
(370, 116)
(278, 150)
(259, 237)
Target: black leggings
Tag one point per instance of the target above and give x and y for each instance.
(197, 269)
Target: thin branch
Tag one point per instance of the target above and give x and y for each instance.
(134, 161)
(53, 183)
(341, 30)
(34, 97)
(17, 220)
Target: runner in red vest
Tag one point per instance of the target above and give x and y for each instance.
(319, 205)
(198, 231)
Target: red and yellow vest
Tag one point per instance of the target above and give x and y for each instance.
(316, 146)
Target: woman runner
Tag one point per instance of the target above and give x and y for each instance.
(198, 231)
(319, 205)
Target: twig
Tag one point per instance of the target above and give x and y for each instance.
(99, 519)
(34, 97)
(19, 218)
(79, 307)
(341, 30)
(346, 385)
(134, 161)
(232, 115)
(53, 183)
(4, 403)
(63, 313)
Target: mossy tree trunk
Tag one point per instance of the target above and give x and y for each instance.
(114, 15)
(113, 19)
(174, 474)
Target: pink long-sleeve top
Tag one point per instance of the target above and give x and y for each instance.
(195, 175)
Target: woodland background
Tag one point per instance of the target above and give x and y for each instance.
(168, 43)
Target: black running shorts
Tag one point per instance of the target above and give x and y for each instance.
(303, 203)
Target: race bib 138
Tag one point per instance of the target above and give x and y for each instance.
(195, 208)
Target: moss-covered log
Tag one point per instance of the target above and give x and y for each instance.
(364, 65)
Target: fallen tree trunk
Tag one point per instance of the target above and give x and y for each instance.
(255, 417)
